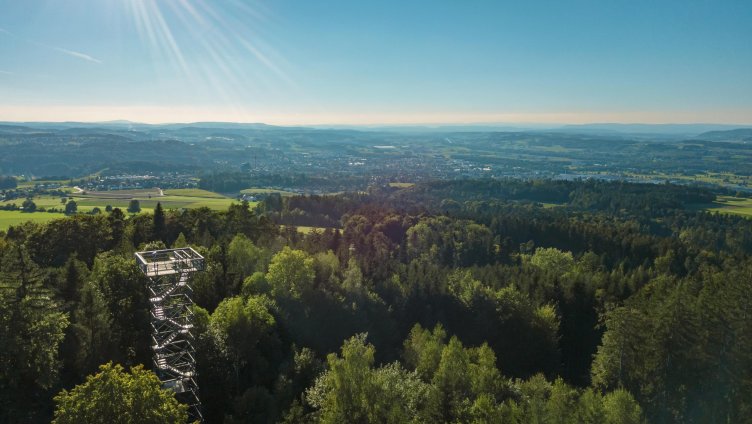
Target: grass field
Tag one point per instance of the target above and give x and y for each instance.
(732, 205)
(148, 199)
(8, 218)
(267, 191)
(120, 194)
(173, 199)
(401, 185)
(707, 177)
(40, 201)
(193, 192)
(551, 205)
(307, 230)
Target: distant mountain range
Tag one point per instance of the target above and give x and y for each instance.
(738, 134)
(719, 132)
(684, 130)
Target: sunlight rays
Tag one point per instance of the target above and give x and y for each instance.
(214, 46)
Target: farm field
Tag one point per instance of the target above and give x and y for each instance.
(401, 185)
(732, 205)
(193, 192)
(719, 178)
(267, 191)
(172, 199)
(40, 201)
(10, 218)
(120, 194)
(550, 205)
(148, 199)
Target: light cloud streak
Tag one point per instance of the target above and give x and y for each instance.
(76, 54)
(72, 53)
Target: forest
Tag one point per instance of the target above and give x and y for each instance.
(468, 301)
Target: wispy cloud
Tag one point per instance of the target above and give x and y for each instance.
(79, 55)
(72, 53)
(5, 72)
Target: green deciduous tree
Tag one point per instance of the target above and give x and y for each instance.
(352, 281)
(353, 391)
(123, 286)
(114, 396)
(238, 326)
(552, 260)
(452, 380)
(243, 258)
(422, 350)
(71, 207)
(81, 235)
(134, 206)
(621, 408)
(291, 273)
(326, 266)
(28, 205)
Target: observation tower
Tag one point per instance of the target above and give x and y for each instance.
(169, 273)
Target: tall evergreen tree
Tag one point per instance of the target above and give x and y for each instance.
(160, 228)
(31, 329)
(91, 326)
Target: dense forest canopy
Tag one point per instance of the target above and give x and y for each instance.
(471, 301)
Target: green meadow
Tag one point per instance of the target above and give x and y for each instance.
(732, 205)
(172, 199)
(401, 185)
(267, 191)
(148, 199)
(307, 230)
(10, 218)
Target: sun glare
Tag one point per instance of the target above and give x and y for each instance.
(209, 45)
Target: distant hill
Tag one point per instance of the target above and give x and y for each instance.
(737, 135)
(16, 129)
(707, 131)
(222, 125)
(674, 130)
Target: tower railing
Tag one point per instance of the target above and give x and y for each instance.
(169, 290)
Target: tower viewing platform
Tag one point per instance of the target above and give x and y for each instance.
(156, 263)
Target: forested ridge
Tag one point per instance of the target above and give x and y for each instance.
(477, 301)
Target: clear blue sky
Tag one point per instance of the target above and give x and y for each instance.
(383, 61)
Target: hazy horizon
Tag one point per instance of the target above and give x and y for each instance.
(427, 125)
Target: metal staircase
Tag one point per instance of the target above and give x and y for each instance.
(171, 320)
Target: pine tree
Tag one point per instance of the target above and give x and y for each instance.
(159, 222)
(31, 329)
(180, 241)
(91, 325)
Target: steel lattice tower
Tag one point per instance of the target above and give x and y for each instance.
(172, 320)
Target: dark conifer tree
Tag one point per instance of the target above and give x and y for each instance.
(159, 222)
